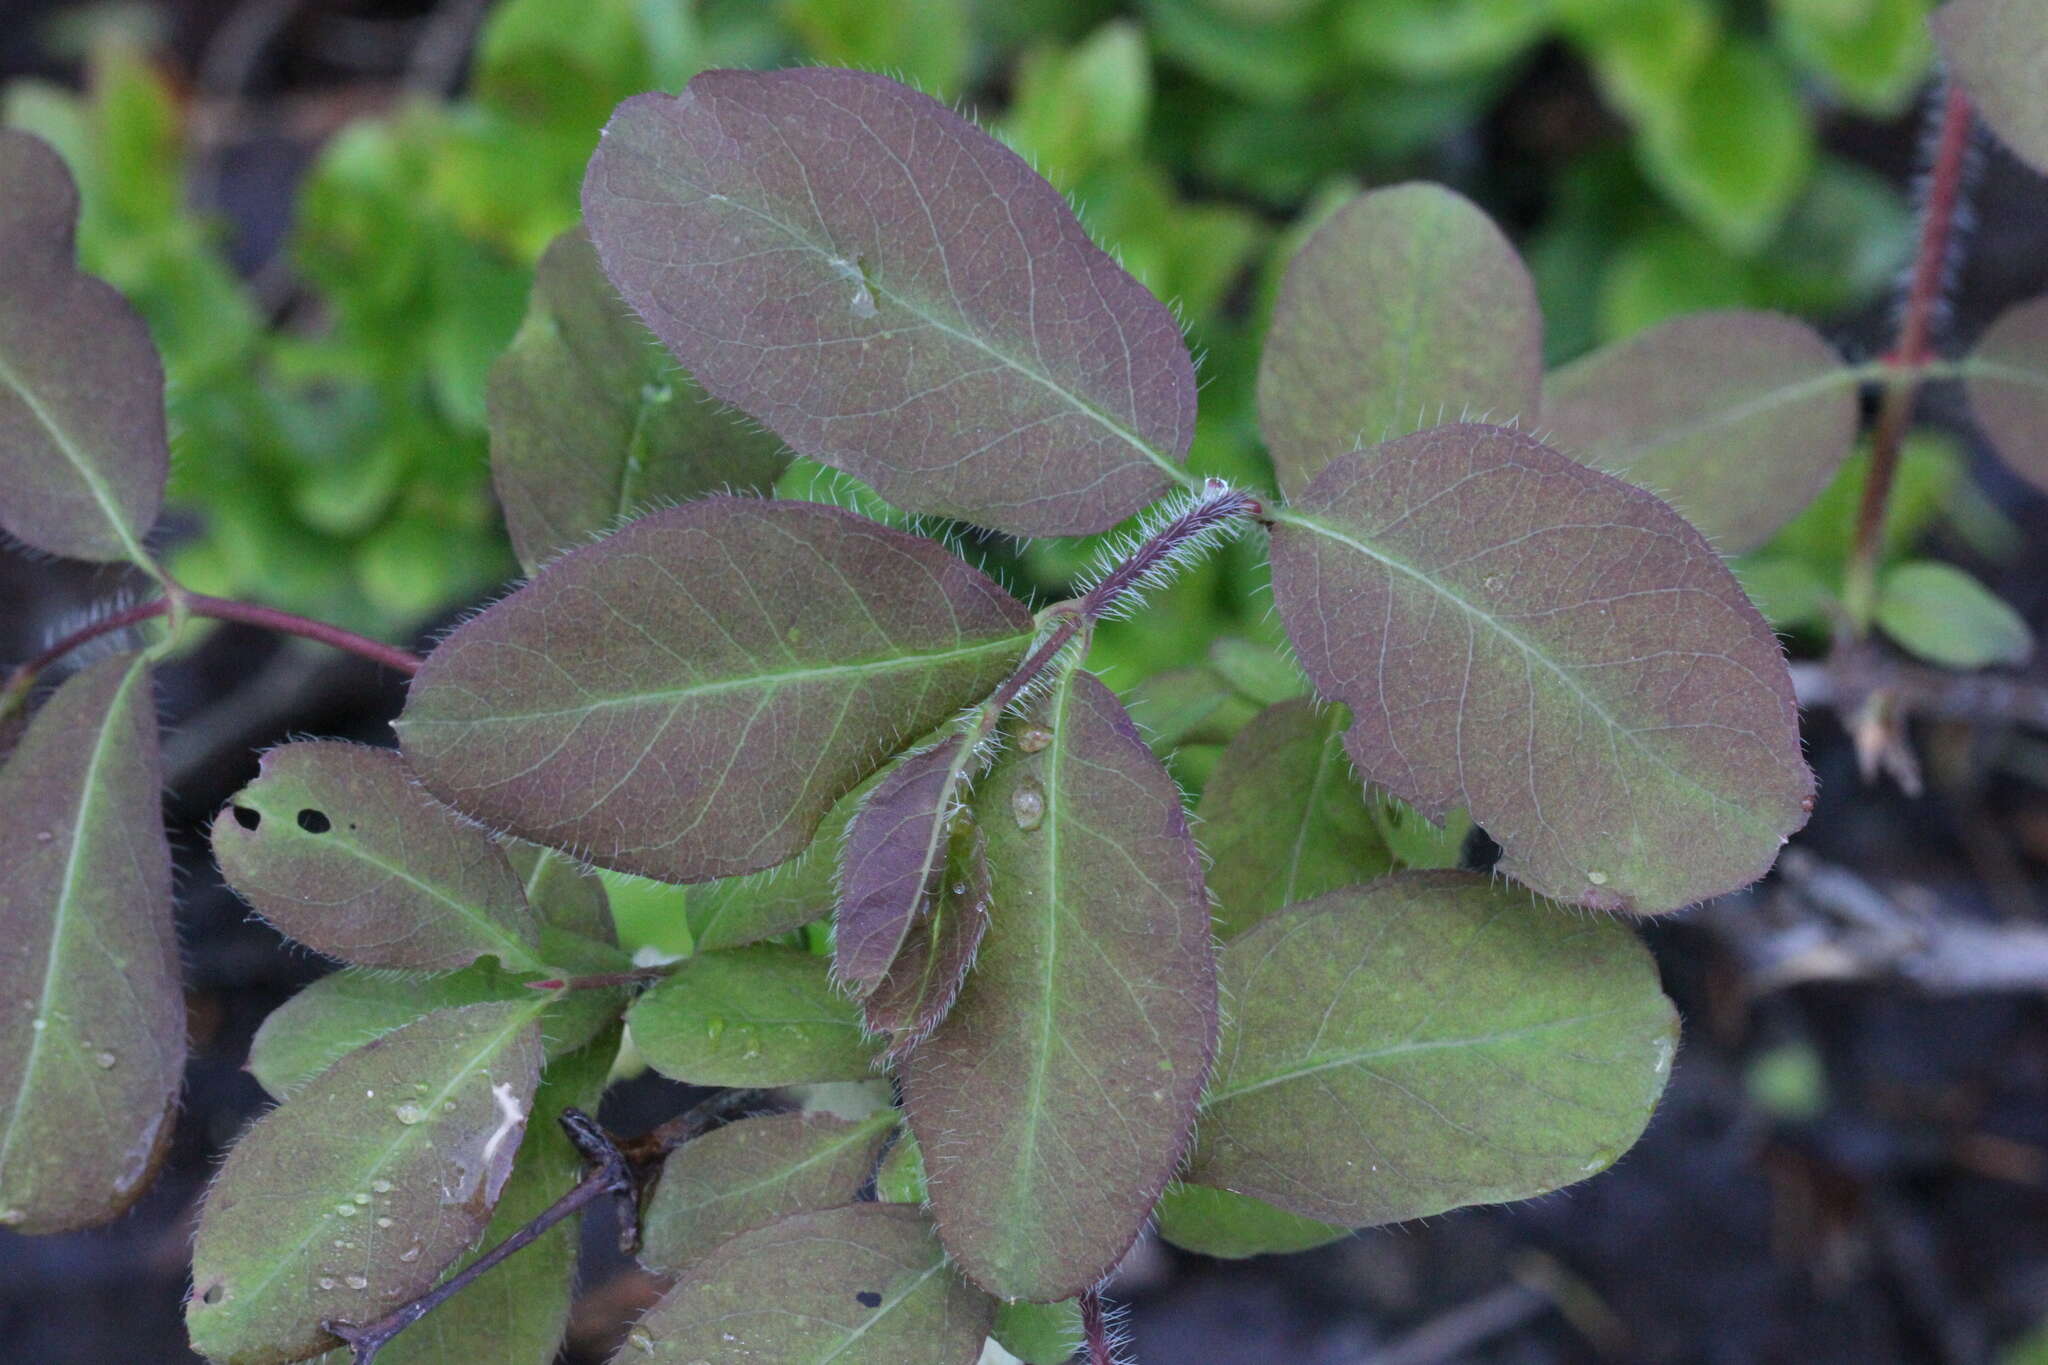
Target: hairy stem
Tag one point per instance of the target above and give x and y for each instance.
(1095, 1334)
(1914, 351)
(611, 1175)
(179, 604)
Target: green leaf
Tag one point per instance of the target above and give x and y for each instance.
(748, 1174)
(351, 1008)
(863, 1285)
(1554, 650)
(591, 422)
(1429, 1041)
(1039, 1333)
(2006, 377)
(83, 448)
(1734, 150)
(419, 1127)
(1997, 48)
(518, 1312)
(1284, 818)
(901, 1178)
(756, 1016)
(336, 845)
(1873, 53)
(1790, 593)
(563, 892)
(1431, 38)
(1188, 706)
(1947, 617)
(1737, 419)
(1072, 110)
(928, 41)
(1218, 1223)
(1054, 1101)
(92, 1031)
(1258, 672)
(638, 703)
(895, 294)
(1405, 309)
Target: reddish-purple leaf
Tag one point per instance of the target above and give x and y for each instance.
(687, 699)
(336, 845)
(1553, 649)
(92, 1022)
(890, 865)
(1405, 309)
(591, 421)
(1736, 419)
(83, 449)
(1055, 1100)
(1997, 48)
(925, 979)
(2007, 380)
(894, 293)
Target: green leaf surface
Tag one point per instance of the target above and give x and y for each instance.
(1215, 1222)
(1429, 1041)
(930, 42)
(1054, 1101)
(1998, 49)
(2006, 377)
(1422, 39)
(1188, 706)
(1405, 309)
(92, 1028)
(894, 293)
(419, 1128)
(1039, 1333)
(592, 423)
(563, 892)
(83, 447)
(1258, 672)
(1284, 818)
(863, 1285)
(1737, 419)
(1735, 148)
(925, 978)
(1873, 54)
(1554, 650)
(518, 1312)
(1946, 617)
(756, 1016)
(751, 1173)
(345, 1010)
(686, 699)
(336, 846)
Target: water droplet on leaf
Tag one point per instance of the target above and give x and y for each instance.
(1034, 738)
(408, 1114)
(1027, 804)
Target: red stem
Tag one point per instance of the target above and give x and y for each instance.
(1915, 348)
(218, 609)
(1095, 1330)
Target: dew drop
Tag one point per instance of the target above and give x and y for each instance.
(641, 1342)
(408, 1114)
(381, 1186)
(360, 1198)
(104, 1060)
(44, 836)
(325, 1282)
(656, 393)
(383, 1222)
(345, 1210)
(1597, 878)
(39, 1025)
(409, 1255)
(357, 1282)
(1034, 738)
(1027, 804)
(959, 888)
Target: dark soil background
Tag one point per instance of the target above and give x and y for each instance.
(1903, 1218)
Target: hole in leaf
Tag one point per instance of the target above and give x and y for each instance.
(314, 821)
(868, 1298)
(247, 818)
(214, 1293)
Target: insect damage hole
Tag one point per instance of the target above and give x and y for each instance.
(314, 821)
(247, 818)
(868, 1298)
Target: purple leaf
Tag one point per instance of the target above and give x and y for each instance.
(1555, 650)
(894, 293)
(687, 699)
(336, 846)
(592, 423)
(2006, 377)
(1432, 1040)
(926, 977)
(1405, 309)
(1055, 1100)
(1996, 49)
(83, 449)
(1736, 419)
(890, 865)
(92, 1021)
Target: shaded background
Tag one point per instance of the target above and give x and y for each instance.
(328, 212)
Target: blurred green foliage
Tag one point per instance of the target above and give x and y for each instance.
(336, 461)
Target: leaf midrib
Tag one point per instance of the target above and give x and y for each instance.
(1619, 461)
(94, 484)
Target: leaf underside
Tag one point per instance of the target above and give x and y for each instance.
(862, 1285)
(84, 450)
(1737, 419)
(1407, 308)
(419, 1128)
(337, 847)
(1553, 649)
(592, 423)
(686, 699)
(1432, 1040)
(2008, 388)
(92, 1018)
(1053, 1102)
(894, 293)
